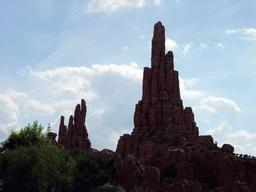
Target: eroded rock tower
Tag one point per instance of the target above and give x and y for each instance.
(159, 117)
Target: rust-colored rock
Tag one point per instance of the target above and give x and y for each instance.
(76, 134)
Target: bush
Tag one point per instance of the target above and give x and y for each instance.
(209, 179)
(170, 171)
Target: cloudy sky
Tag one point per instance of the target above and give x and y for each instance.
(52, 55)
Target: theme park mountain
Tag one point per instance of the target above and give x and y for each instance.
(165, 152)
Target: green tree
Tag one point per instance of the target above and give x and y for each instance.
(92, 170)
(37, 168)
(48, 129)
(28, 136)
(32, 163)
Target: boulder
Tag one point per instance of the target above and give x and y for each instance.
(227, 148)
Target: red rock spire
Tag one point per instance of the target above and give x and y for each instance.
(161, 106)
(158, 44)
(76, 135)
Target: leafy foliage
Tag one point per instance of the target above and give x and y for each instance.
(32, 163)
(28, 136)
(36, 168)
(92, 170)
(170, 171)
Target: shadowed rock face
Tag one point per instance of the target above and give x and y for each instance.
(76, 134)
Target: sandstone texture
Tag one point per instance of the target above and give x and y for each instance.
(75, 135)
(166, 133)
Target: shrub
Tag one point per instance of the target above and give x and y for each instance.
(170, 171)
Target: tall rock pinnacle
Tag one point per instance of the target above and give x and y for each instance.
(158, 44)
(161, 107)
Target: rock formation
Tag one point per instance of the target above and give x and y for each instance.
(76, 134)
(164, 132)
(161, 110)
(159, 117)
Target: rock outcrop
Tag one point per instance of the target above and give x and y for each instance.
(75, 135)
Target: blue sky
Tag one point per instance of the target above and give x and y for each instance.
(52, 55)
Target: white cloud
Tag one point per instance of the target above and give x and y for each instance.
(225, 110)
(98, 112)
(175, 47)
(113, 5)
(242, 134)
(206, 121)
(171, 45)
(158, 2)
(249, 148)
(126, 71)
(189, 94)
(125, 48)
(9, 114)
(187, 49)
(220, 105)
(202, 45)
(223, 128)
(220, 45)
(35, 108)
(249, 34)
